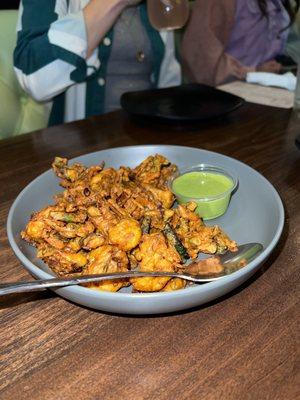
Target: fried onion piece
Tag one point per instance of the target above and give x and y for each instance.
(62, 170)
(93, 241)
(107, 259)
(164, 196)
(36, 227)
(34, 231)
(149, 284)
(62, 262)
(70, 230)
(154, 254)
(103, 182)
(154, 170)
(102, 217)
(174, 284)
(197, 237)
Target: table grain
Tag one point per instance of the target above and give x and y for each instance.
(242, 346)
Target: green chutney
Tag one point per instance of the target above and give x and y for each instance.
(206, 189)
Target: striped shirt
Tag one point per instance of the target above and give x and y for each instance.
(51, 65)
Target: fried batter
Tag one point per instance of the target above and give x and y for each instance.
(126, 234)
(107, 259)
(197, 237)
(113, 220)
(155, 254)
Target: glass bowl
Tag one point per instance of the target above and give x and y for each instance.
(210, 187)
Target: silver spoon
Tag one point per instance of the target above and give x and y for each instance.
(230, 261)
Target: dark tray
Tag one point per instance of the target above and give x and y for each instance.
(184, 103)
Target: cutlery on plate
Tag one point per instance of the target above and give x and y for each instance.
(230, 261)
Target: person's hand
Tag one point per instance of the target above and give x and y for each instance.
(270, 66)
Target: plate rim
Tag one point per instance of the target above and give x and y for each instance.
(79, 290)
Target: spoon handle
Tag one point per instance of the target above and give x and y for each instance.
(32, 286)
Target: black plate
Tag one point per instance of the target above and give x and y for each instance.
(184, 103)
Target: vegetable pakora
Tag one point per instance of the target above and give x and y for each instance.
(115, 220)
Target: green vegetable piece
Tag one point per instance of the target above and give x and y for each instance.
(145, 224)
(175, 242)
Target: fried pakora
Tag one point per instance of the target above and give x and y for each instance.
(115, 220)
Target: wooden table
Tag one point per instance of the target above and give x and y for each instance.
(243, 346)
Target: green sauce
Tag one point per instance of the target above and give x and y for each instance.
(202, 184)
(206, 190)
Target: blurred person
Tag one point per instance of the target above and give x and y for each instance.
(226, 39)
(81, 55)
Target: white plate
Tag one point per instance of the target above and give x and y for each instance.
(255, 214)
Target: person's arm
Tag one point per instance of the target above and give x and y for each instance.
(203, 47)
(54, 48)
(99, 16)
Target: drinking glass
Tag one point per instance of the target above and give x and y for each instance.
(168, 14)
